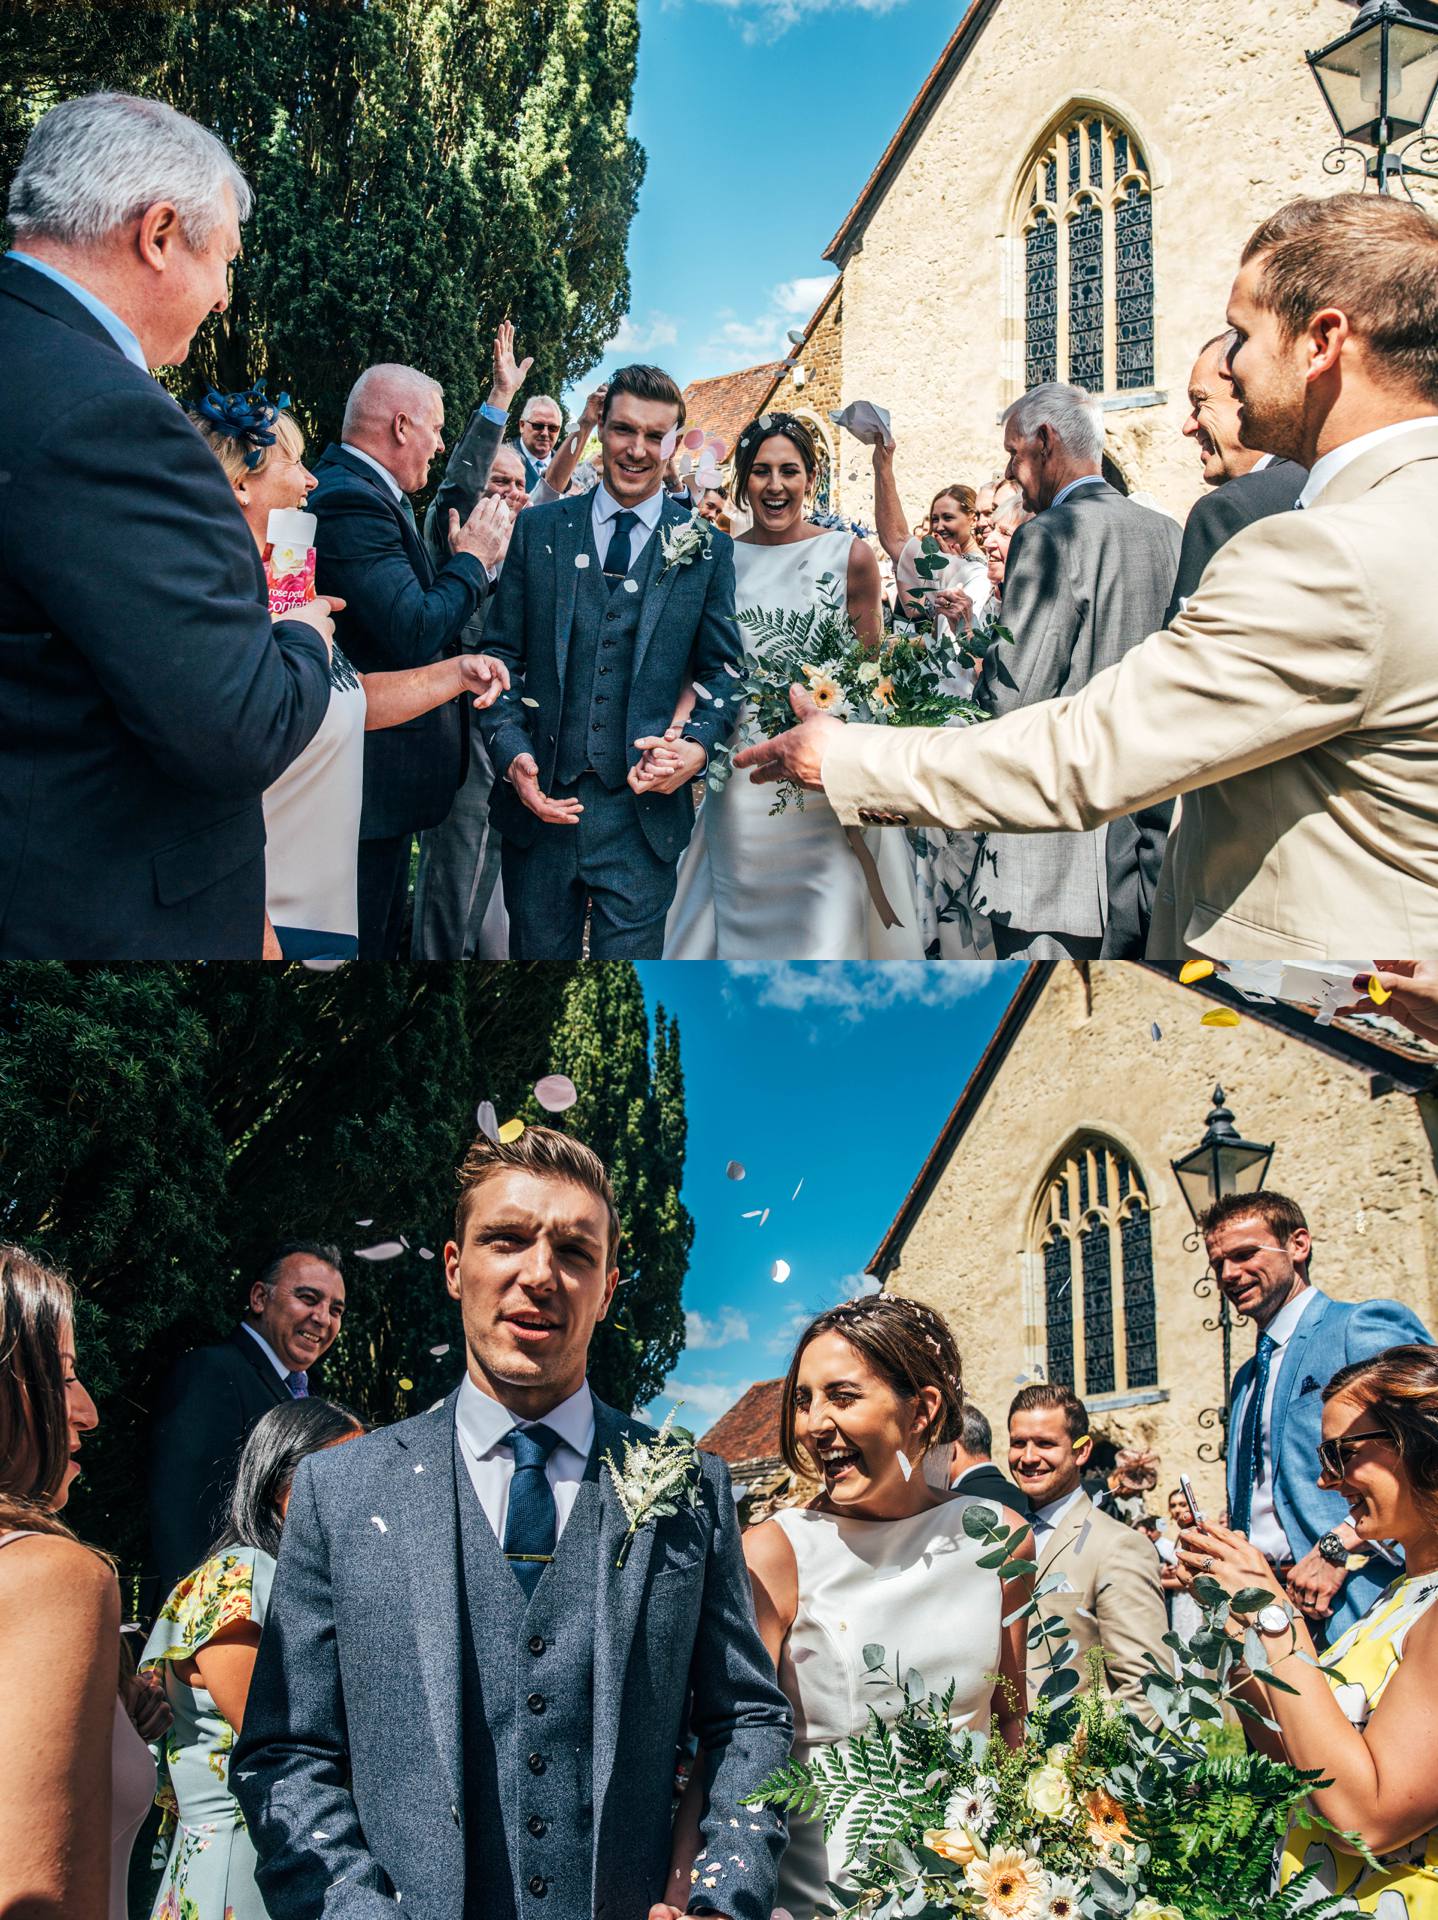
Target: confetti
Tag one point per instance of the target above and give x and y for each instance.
(1156, 1031)
(631, 586)
(694, 439)
(795, 1194)
(780, 1271)
(525, 701)
(721, 449)
(510, 1132)
(1377, 992)
(438, 1353)
(405, 1386)
(906, 1465)
(555, 1092)
(365, 1223)
(766, 421)
(1192, 970)
(324, 966)
(753, 1213)
(733, 672)
(703, 692)
(735, 1170)
(419, 1466)
(487, 1120)
(1219, 1017)
(375, 1521)
(426, 1253)
(581, 560)
(763, 1216)
(381, 1250)
(319, 1834)
(669, 443)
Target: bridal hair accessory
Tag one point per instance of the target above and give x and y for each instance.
(658, 1478)
(248, 417)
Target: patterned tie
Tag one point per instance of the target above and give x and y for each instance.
(1250, 1438)
(532, 1525)
(298, 1384)
(617, 561)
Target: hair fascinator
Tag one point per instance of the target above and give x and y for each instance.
(247, 417)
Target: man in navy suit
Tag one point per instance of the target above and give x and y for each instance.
(1259, 1248)
(146, 699)
(400, 610)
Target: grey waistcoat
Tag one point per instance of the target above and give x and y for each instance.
(594, 729)
(528, 1716)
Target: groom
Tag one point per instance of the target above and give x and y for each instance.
(601, 634)
(463, 1702)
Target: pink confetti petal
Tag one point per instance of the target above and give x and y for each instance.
(720, 450)
(555, 1092)
(381, 1250)
(763, 1216)
(438, 1353)
(735, 1170)
(703, 692)
(487, 1120)
(694, 439)
(669, 443)
(426, 1253)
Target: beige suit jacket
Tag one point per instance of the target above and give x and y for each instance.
(1294, 703)
(1108, 1597)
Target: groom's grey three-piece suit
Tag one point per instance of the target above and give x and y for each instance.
(416, 1727)
(594, 669)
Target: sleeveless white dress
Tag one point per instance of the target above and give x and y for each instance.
(913, 1587)
(756, 886)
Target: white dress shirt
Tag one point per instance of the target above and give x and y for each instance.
(268, 1351)
(1264, 1528)
(602, 514)
(1084, 480)
(1332, 463)
(384, 473)
(122, 335)
(1043, 1520)
(482, 1424)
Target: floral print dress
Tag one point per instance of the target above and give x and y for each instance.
(210, 1874)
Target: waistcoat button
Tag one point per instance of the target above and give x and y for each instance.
(537, 1763)
(538, 1885)
(536, 1643)
(538, 1826)
(536, 1703)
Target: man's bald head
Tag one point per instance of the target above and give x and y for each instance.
(395, 414)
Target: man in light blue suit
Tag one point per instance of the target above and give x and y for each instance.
(1259, 1248)
(478, 1661)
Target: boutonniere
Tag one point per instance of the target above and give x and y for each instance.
(683, 542)
(658, 1478)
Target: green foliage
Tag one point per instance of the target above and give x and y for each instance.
(162, 1127)
(423, 169)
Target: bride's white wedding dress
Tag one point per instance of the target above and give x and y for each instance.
(760, 886)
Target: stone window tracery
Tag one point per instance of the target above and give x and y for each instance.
(1096, 1244)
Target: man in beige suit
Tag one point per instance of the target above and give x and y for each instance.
(1108, 1594)
(1294, 702)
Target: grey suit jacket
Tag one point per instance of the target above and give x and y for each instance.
(350, 1766)
(1085, 582)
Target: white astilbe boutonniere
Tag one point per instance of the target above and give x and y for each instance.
(657, 1479)
(683, 542)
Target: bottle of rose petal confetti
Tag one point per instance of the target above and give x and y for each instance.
(290, 558)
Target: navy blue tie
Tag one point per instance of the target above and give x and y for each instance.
(532, 1524)
(298, 1384)
(1250, 1438)
(617, 561)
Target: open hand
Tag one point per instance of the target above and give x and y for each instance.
(1314, 1583)
(524, 778)
(508, 372)
(668, 763)
(1414, 987)
(485, 534)
(797, 755)
(1229, 1558)
(483, 676)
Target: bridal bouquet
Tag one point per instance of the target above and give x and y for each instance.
(896, 684)
(1095, 1816)
(968, 648)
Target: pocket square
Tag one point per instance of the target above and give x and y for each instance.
(1310, 1385)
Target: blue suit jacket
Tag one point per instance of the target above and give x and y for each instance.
(1331, 1335)
(146, 700)
(350, 1767)
(687, 631)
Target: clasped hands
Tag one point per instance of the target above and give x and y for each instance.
(483, 676)
(1225, 1556)
(666, 763)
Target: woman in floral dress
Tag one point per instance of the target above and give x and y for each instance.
(204, 1645)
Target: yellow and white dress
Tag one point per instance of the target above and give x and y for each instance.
(1362, 1662)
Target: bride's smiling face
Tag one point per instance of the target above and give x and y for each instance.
(855, 1427)
(778, 482)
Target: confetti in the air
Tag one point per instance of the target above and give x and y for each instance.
(631, 586)
(735, 1170)
(1377, 992)
(703, 692)
(753, 1213)
(780, 1271)
(763, 1216)
(510, 1132)
(365, 1223)
(381, 1250)
(1219, 1017)
(487, 1120)
(795, 1194)
(1192, 970)
(733, 672)
(906, 1465)
(405, 1385)
(426, 1253)
(438, 1353)
(581, 560)
(694, 439)
(375, 1521)
(669, 443)
(1156, 1030)
(324, 966)
(555, 1092)
(525, 701)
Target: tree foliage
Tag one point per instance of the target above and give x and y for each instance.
(423, 169)
(162, 1127)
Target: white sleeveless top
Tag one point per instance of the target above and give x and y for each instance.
(913, 1587)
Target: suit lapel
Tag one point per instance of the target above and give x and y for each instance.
(568, 545)
(1062, 1542)
(424, 1471)
(256, 1357)
(660, 588)
(621, 1593)
(409, 532)
(1289, 1374)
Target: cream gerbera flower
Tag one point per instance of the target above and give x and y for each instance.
(1106, 1821)
(1010, 1884)
(826, 693)
(1063, 1898)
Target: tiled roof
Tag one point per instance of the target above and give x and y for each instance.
(749, 1430)
(726, 404)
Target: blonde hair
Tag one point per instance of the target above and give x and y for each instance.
(236, 456)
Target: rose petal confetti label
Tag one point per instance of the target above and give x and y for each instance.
(556, 1092)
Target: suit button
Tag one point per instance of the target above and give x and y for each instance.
(611, 616)
(600, 698)
(538, 1885)
(536, 1643)
(537, 1826)
(535, 1703)
(611, 643)
(596, 727)
(606, 669)
(537, 1763)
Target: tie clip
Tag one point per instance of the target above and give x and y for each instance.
(542, 1559)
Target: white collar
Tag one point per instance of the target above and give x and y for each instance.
(483, 1422)
(1284, 1324)
(383, 472)
(1054, 1512)
(1084, 480)
(1336, 459)
(1263, 460)
(606, 506)
(267, 1350)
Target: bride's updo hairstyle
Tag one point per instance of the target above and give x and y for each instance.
(907, 1344)
(787, 426)
(1399, 1387)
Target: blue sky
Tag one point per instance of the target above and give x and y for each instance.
(837, 1075)
(736, 106)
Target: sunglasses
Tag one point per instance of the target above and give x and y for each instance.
(1333, 1455)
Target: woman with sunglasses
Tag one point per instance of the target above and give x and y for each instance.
(1364, 1714)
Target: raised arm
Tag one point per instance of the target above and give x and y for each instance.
(554, 482)
(892, 527)
(466, 474)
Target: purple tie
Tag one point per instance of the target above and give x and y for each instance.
(298, 1384)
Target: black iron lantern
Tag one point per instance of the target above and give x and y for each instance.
(1221, 1163)
(1378, 82)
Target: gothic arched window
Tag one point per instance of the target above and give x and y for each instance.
(1097, 1250)
(1088, 259)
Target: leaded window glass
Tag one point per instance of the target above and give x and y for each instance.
(1041, 250)
(1097, 1252)
(1133, 222)
(1097, 1262)
(1120, 155)
(1095, 153)
(1086, 315)
(1058, 1307)
(1051, 180)
(1083, 1182)
(1139, 1314)
(1075, 147)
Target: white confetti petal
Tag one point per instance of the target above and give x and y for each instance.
(906, 1465)
(324, 966)
(733, 672)
(365, 1223)
(752, 1214)
(735, 1170)
(763, 1216)
(631, 586)
(581, 560)
(419, 1467)
(438, 1353)
(319, 1834)
(487, 1120)
(375, 1521)
(780, 1271)
(381, 1250)
(703, 692)
(525, 701)
(426, 1253)
(669, 443)
(795, 1194)
(555, 1092)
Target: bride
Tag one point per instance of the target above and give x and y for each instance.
(791, 886)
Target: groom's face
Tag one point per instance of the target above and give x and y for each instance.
(632, 436)
(533, 1279)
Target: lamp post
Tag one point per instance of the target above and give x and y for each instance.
(1223, 1162)
(1378, 81)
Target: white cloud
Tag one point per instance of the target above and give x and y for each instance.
(767, 19)
(848, 1287)
(856, 988)
(701, 1334)
(701, 1402)
(739, 342)
(658, 331)
(803, 295)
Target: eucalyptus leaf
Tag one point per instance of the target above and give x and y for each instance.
(874, 1656)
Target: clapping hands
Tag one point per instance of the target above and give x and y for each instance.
(485, 534)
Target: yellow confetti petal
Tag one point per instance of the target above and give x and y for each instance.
(406, 1386)
(1219, 1017)
(510, 1132)
(1377, 992)
(1192, 970)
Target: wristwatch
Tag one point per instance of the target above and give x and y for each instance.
(1272, 1619)
(1333, 1549)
